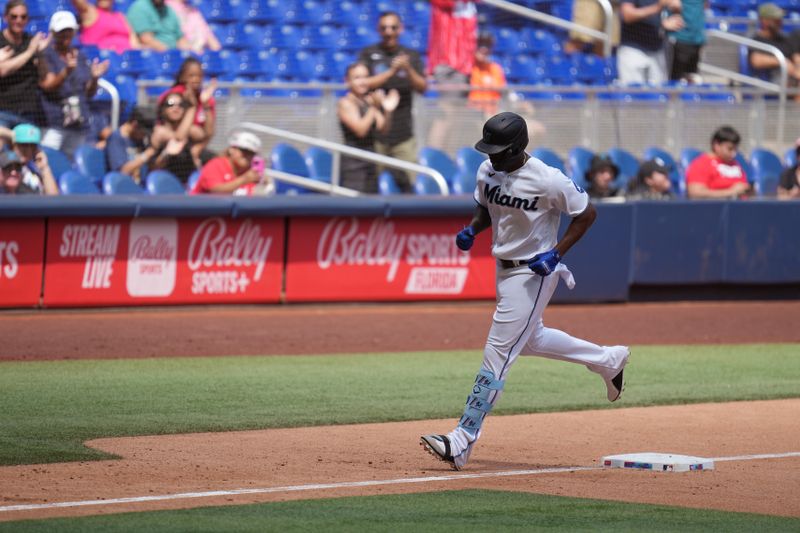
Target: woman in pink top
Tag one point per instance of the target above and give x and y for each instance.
(103, 27)
(194, 27)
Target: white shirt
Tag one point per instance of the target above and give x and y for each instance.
(526, 206)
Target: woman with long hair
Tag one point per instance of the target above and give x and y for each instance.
(171, 138)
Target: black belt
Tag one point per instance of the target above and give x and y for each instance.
(506, 263)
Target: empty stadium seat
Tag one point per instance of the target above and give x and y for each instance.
(119, 183)
(73, 182)
(287, 158)
(678, 183)
(425, 184)
(192, 181)
(464, 183)
(319, 162)
(91, 162)
(627, 163)
(163, 182)
(439, 161)
(687, 156)
(549, 157)
(748, 169)
(578, 160)
(221, 11)
(57, 160)
(790, 157)
(386, 183)
(767, 169)
(469, 160)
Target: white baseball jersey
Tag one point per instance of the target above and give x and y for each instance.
(526, 206)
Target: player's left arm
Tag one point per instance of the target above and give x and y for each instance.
(579, 225)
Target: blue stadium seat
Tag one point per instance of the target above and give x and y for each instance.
(302, 12)
(170, 61)
(524, 69)
(57, 160)
(469, 160)
(578, 163)
(348, 14)
(678, 183)
(549, 157)
(687, 156)
(438, 160)
(386, 184)
(541, 42)
(356, 38)
(748, 168)
(192, 181)
(138, 63)
(590, 69)
(767, 169)
(234, 37)
(559, 70)
(627, 163)
(425, 184)
(263, 11)
(260, 65)
(73, 182)
(287, 158)
(216, 64)
(325, 37)
(163, 182)
(319, 162)
(91, 162)
(287, 37)
(222, 11)
(790, 157)
(119, 183)
(507, 41)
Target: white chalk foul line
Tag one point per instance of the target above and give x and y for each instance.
(349, 484)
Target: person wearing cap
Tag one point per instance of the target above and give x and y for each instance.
(718, 175)
(157, 25)
(67, 80)
(651, 182)
(522, 200)
(36, 172)
(19, 76)
(600, 178)
(128, 148)
(770, 31)
(240, 171)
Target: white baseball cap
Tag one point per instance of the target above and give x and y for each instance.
(246, 141)
(63, 20)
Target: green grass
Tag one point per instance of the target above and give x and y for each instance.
(470, 510)
(50, 408)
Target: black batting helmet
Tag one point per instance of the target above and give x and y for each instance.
(502, 132)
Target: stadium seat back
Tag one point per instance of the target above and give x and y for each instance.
(439, 161)
(767, 169)
(464, 183)
(549, 157)
(425, 184)
(386, 183)
(287, 158)
(73, 182)
(119, 183)
(578, 161)
(57, 160)
(319, 162)
(163, 182)
(91, 162)
(627, 163)
(468, 160)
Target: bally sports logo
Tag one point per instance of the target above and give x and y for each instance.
(9, 264)
(218, 256)
(437, 265)
(152, 257)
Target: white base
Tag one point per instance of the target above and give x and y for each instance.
(661, 462)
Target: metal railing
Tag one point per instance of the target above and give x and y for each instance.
(114, 94)
(780, 88)
(532, 14)
(339, 149)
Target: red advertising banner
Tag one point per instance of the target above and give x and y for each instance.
(163, 260)
(368, 259)
(21, 262)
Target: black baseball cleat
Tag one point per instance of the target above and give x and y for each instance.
(439, 447)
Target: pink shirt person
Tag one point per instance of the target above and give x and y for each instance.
(194, 27)
(103, 27)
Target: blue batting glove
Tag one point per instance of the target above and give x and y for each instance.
(465, 238)
(545, 263)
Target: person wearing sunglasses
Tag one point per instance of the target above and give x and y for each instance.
(171, 139)
(19, 50)
(394, 66)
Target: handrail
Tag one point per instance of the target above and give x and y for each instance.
(311, 184)
(561, 23)
(339, 148)
(114, 94)
(780, 88)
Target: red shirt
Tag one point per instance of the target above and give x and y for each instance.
(216, 172)
(453, 35)
(713, 173)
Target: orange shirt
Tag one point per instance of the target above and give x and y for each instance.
(487, 75)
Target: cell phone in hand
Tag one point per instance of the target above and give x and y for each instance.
(258, 164)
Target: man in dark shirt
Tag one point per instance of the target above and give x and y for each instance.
(641, 56)
(393, 66)
(128, 149)
(770, 31)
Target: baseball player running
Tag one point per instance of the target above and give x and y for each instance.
(522, 199)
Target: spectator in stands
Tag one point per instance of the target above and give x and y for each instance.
(651, 183)
(640, 57)
(103, 27)
(67, 80)
(485, 78)
(589, 13)
(35, 173)
(157, 25)
(190, 77)
(362, 115)
(240, 171)
(196, 30)
(393, 66)
(19, 96)
(171, 138)
(452, 40)
(718, 174)
(789, 186)
(600, 178)
(128, 149)
(770, 31)
(684, 45)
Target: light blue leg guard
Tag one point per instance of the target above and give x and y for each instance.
(479, 403)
